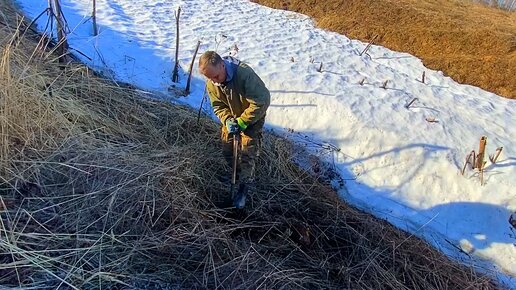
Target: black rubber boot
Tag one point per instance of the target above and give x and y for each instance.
(241, 195)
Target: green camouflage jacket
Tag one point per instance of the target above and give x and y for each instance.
(244, 96)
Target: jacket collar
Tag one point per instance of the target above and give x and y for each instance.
(231, 65)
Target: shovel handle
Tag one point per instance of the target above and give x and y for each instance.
(236, 146)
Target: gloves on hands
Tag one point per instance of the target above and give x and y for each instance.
(235, 125)
(232, 126)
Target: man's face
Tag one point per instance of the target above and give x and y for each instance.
(215, 73)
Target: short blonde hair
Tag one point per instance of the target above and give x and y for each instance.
(209, 57)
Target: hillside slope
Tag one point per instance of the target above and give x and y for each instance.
(103, 188)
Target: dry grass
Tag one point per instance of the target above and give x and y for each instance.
(101, 188)
(473, 43)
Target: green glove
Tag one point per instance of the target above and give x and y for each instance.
(241, 124)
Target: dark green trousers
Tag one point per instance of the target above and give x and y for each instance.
(250, 146)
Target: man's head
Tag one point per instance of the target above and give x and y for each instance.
(212, 66)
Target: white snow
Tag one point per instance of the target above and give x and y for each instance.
(407, 170)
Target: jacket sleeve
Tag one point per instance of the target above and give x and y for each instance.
(258, 97)
(220, 108)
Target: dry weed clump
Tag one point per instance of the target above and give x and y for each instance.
(470, 42)
(101, 188)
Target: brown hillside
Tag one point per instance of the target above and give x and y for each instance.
(102, 188)
(472, 43)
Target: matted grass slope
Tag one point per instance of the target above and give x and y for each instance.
(101, 188)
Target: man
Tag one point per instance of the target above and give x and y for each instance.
(240, 100)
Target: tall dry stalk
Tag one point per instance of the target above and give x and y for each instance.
(94, 18)
(62, 42)
(190, 70)
(175, 73)
(5, 80)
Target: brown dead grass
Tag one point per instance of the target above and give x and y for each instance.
(472, 43)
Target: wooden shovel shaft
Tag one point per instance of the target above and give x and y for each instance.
(236, 146)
